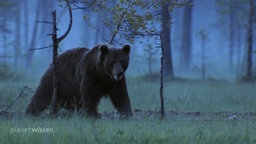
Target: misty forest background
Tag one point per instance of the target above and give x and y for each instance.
(204, 49)
(202, 39)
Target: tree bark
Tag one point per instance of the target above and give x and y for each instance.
(166, 40)
(4, 36)
(26, 25)
(162, 79)
(185, 53)
(166, 57)
(203, 64)
(17, 46)
(56, 42)
(54, 65)
(249, 63)
(30, 52)
(231, 34)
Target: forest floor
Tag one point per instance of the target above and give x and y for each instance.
(144, 114)
(196, 111)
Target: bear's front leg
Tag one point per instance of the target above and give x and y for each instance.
(90, 97)
(120, 99)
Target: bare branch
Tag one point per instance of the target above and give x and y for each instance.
(46, 22)
(41, 48)
(70, 23)
(21, 94)
(79, 7)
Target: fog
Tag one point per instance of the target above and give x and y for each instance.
(20, 23)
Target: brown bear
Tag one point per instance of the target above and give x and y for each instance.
(85, 76)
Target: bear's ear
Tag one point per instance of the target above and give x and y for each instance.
(126, 49)
(103, 49)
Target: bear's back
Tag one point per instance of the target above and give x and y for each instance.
(72, 53)
(68, 61)
(71, 57)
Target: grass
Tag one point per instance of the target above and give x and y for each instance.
(180, 95)
(194, 95)
(79, 130)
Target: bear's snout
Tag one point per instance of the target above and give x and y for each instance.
(117, 71)
(119, 76)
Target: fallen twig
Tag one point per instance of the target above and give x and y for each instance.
(21, 94)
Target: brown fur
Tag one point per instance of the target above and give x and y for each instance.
(85, 76)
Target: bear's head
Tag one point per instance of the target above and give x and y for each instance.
(113, 61)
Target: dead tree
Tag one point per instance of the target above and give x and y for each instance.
(249, 63)
(56, 42)
(203, 37)
(161, 90)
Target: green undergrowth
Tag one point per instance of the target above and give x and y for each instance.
(182, 95)
(81, 130)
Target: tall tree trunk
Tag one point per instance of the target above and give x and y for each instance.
(26, 24)
(231, 34)
(43, 9)
(166, 40)
(204, 37)
(185, 52)
(166, 68)
(30, 52)
(54, 65)
(162, 80)
(17, 46)
(239, 60)
(56, 42)
(249, 63)
(4, 35)
(203, 64)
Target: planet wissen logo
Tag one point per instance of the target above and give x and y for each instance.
(31, 130)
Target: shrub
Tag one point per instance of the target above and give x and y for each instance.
(5, 71)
